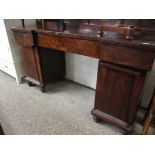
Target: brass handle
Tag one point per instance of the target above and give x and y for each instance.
(100, 33)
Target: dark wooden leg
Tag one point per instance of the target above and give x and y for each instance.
(150, 115)
(30, 84)
(1, 130)
(61, 78)
(96, 119)
(127, 132)
(147, 123)
(52, 64)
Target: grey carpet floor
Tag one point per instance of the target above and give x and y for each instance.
(64, 109)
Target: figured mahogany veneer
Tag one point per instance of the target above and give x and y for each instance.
(127, 56)
(121, 95)
(29, 57)
(122, 67)
(24, 38)
(49, 41)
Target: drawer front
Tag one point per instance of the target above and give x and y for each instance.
(7, 67)
(49, 41)
(131, 57)
(84, 47)
(24, 38)
(78, 46)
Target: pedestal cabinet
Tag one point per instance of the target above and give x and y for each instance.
(42, 65)
(117, 92)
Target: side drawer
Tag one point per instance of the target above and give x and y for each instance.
(127, 56)
(24, 38)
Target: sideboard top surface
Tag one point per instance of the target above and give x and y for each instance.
(142, 42)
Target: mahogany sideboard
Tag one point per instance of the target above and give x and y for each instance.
(123, 62)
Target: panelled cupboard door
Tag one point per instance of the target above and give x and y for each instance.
(30, 62)
(114, 91)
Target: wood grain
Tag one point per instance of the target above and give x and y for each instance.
(117, 92)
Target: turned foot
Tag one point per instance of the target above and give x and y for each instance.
(61, 78)
(43, 89)
(97, 120)
(1, 130)
(126, 131)
(30, 84)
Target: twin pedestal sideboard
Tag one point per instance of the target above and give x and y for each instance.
(122, 67)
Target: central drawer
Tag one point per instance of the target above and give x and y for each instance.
(49, 41)
(79, 46)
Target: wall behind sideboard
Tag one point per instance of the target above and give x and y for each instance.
(82, 69)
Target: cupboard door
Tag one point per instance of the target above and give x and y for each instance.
(117, 91)
(30, 62)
